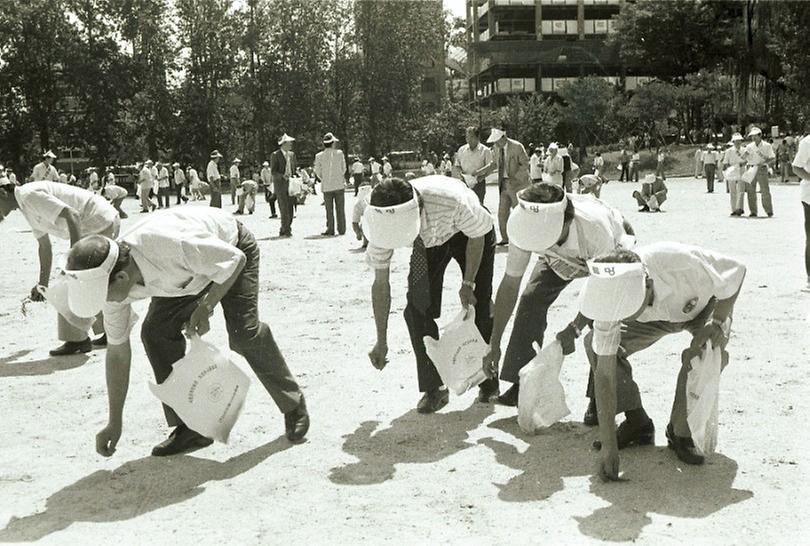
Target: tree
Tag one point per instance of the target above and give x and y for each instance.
(588, 109)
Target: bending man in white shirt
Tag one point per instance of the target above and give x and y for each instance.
(188, 260)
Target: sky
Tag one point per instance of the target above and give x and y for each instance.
(456, 7)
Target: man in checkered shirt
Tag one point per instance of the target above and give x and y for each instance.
(443, 220)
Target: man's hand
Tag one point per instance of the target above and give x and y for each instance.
(36, 295)
(710, 331)
(467, 296)
(358, 233)
(567, 337)
(198, 322)
(379, 355)
(107, 439)
(491, 361)
(609, 465)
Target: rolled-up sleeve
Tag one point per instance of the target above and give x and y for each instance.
(606, 338)
(725, 274)
(471, 218)
(211, 257)
(119, 319)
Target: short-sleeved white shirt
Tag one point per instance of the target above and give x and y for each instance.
(212, 171)
(802, 160)
(179, 253)
(113, 192)
(759, 155)
(234, 172)
(684, 279)
(42, 202)
(448, 207)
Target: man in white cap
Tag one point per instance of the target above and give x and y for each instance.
(164, 186)
(553, 165)
(267, 181)
(759, 155)
(734, 163)
(443, 221)
(471, 158)
(145, 183)
(387, 169)
(801, 166)
(187, 260)
(180, 183)
(235, 177)
(510, 161)
(565, 231)
(635, 299)
(65, 212)
(214, 179)
(44, 170)
(330, 169)
(710, 166)
(282, 167)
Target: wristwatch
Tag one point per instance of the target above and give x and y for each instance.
(470, 284)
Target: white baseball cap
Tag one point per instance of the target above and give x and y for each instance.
(755, 131)
(536, 227)
(736, 136)
(495, 135)
(392, 227)
(613, 291)
(87, 288)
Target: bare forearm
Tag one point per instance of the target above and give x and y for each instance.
(45, 260)
(381, 302)
(218, 291)
(605, 386)
(802, 173)
(475, 250)
(505, 302)
(117, 367)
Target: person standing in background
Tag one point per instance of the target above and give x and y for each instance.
(214, 179)
(330, 169)
(536, 166)
(357, 173)
(659, 165)
(554, 165)
(759, 154)
(282, 167)
(801, 166)
(710, 166)
(698, 162)
(734, 160)
(470, 158)
(387, 169)
(180, 183)
(599, 165)
(624, 163)
(164, 186)
(44, 170)
(145, 184)
(235, 178)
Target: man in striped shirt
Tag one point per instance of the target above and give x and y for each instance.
(443, 220)
(565, 231)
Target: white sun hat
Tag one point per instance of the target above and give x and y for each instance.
(285, 138)
(49, 154)
(87, 288)
(754, 131)
(329, 138)
(613, 291)
(495, 135)
(736, 136)
(536, 227)
(392, 227)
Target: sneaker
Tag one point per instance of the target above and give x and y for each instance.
(433, 401)
(510, 397)
(73, 348)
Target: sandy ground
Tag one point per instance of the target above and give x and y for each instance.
(374, 470)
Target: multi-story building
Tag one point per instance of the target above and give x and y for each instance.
(534, 46)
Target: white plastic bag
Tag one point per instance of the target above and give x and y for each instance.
(459, 352)
(732, 173)
(702, 393)
(750, 174)
(541, 401)
(545, 177)
(295, 186)
(57, 296)
(205, 389)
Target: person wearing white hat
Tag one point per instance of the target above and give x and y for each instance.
(195, 184)
(387, 169)
(188, 260)
(235, 178)
(652, 195)
(759, 156)
(553, 165)
(92, 181)
(145, 183)
(154, 168)
(330, 169)
(164, 186)
(180, 183)
(44, 170)
(801, 166)
(282, 167)
(115, 194)
(710, 158)
(470, 159)
(214, 179)
(374, 167)
(446, 166)
(564, 230)
(635, 299)
(442, 220)
(510, 161)
(66, 212)
(267, 182)
(734, 165)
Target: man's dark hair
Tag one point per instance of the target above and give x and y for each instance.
(389, 193)
(619, 256)
(328, 144)
(475, 130)
(543, 192)
(96, 254)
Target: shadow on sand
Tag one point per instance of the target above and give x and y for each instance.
(133, 489)
(411, 438)
(657, 482)
(11, 367)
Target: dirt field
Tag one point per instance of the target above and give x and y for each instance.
(373, 470)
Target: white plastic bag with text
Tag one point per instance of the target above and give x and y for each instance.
(541, 401)
(459, 352)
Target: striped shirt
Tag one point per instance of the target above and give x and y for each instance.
(597, 229)
(448, 207)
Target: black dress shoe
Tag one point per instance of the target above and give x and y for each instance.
(628, 435)
(487, 393)
(328, 234)
(684, 447)
(181, 440)
(433, 401)
(296, 422)
(591, 418)
(503, 243)
(510, 397)
(100, 341)
(73, 348)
